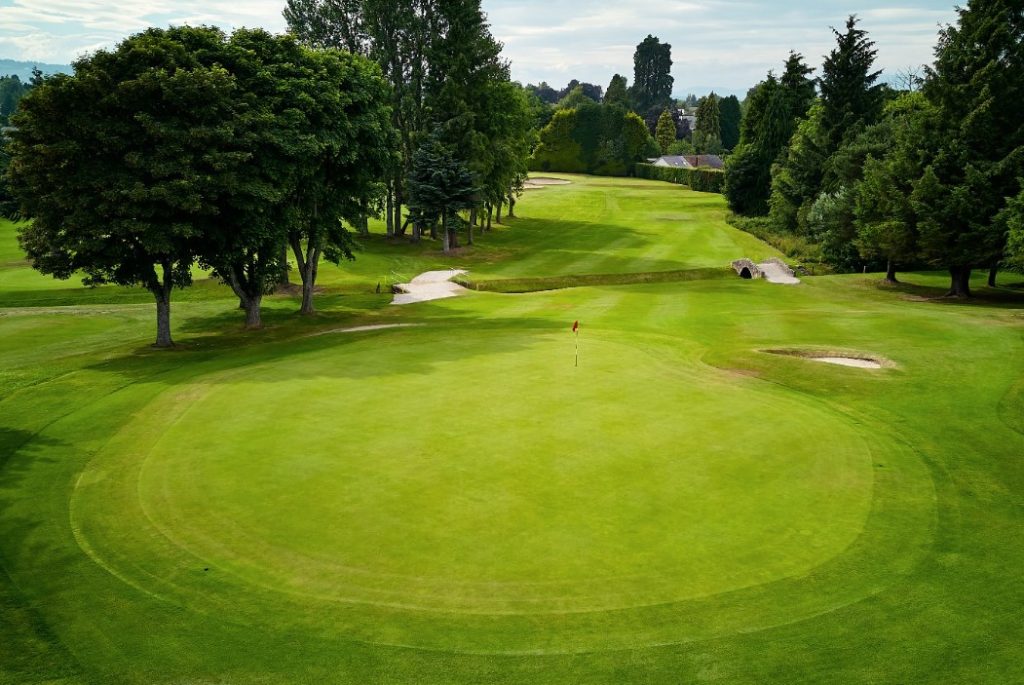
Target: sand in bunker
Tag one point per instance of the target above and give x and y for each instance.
(773, 273)
(848, 361)
(538, 183)
(433, 285)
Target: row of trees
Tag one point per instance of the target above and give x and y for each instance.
(188, 148)
(448, 85)
(875, 175)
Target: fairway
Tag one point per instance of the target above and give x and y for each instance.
(457, 502)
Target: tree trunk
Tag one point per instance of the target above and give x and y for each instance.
(501, 203)
(960, 282)
(162, 294)
(390, 211)
(284, 281)
(417, 231)
(446, 237)
(469, 235)
(890, 272)
(992, 274)
(472, 217)
(252, 313)
(309, 265)
(490, 215)
(511, 207)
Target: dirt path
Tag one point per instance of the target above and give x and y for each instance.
(433, 285)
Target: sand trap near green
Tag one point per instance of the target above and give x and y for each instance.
(531, 496)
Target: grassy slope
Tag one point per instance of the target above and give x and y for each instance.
(714, 496)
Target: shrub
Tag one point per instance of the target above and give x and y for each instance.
(705, 180)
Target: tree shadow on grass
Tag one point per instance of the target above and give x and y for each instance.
(28, 647)
(1002, 297)
(417, 344)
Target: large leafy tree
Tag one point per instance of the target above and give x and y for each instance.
(976, 86)
(652, 78)
(124, 167)
(339, 150)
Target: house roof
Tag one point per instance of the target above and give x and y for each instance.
(676, 161)
(712, 161)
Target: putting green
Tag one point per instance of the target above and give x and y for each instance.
(502, 487)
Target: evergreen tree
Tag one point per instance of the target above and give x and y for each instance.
(707, 137)
(798, 85)
(976, 86)
(666, 132)
(850, 95)
(731, 115)
(618, 92)
(440, 185)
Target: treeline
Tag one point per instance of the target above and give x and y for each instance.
(584, 128)
(873, 176)
(189, 147)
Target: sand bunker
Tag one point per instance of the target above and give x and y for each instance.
(851, 360)
(538, 183)
(360, 329)
(848, 361)
(433, 285)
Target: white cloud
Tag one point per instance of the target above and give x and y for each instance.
(728, 43)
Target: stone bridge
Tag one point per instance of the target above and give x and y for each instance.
(746, 268)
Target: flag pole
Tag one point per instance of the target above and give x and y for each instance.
(577, 347)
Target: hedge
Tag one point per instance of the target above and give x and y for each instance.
(704, 180)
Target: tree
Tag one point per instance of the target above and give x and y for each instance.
(730, 117)
(340, 151)
(666, 132)
(976, 86)
(618, 92)
(122, 167)
(652, 78)
(11, 91)
(850, 101)
(440, 185)
(850, 96)
(575, 98)
(798, 85)
(1011, 219)
(328, 23)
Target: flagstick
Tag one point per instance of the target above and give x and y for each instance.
(577, 348)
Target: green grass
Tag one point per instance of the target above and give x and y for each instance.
(456, 502)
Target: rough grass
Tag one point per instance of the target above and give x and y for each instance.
(459, 503)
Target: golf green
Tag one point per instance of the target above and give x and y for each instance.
(536, 496)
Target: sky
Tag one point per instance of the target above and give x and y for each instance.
(725, 44)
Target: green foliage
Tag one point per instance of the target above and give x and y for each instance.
(976, 86)
(701, 180)
(666, 131)
(681, 148)
(440, 185)
(849, 92)
(797, 247)
(796, 180)
(730, 116)
(598, 139)
(652, 78)
(575, 99)
(618, 92)
(11, 91)
(1011, 219)
(709, 123)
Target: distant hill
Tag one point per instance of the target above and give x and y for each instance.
(23, 70)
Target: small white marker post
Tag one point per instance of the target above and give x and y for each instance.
(576, 332)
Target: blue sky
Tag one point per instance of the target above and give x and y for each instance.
(727, 44)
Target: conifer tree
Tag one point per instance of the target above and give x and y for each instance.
(666, 132)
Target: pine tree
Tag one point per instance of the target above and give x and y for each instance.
(849, 92)
(731, 115)
(977, 85)
(666, 133)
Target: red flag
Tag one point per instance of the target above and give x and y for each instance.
(576, 327)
